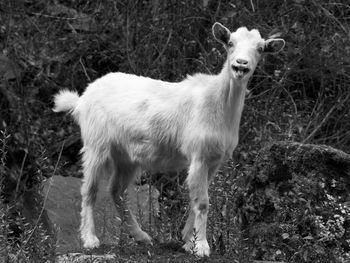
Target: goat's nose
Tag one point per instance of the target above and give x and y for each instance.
(242, 61)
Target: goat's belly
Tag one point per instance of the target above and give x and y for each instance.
(158, 157)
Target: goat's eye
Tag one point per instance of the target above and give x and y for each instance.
(260, 49)
(230, 44)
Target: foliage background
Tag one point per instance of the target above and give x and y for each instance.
(301, 94)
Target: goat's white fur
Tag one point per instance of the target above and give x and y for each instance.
(129, 123)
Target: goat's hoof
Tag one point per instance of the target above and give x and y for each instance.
(91, 242)
(143, 237)
(200, 248)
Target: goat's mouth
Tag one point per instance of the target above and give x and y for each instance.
(240, 71)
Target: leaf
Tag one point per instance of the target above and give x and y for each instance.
(305, 255)
(285, 235)
(308, 238)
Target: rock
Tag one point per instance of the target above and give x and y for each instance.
(63, 205)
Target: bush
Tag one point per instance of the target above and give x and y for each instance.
(293, 204)
(24, 235)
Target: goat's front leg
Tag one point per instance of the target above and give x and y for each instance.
(194, 233)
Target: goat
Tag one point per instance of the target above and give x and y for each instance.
(129, 123)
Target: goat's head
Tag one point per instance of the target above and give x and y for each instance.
(244, 48)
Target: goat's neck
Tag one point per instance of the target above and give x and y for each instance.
(233, 96)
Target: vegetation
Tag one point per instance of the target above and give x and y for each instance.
(301, 94)
(292, 203)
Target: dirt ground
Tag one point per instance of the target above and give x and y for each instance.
(138, 253)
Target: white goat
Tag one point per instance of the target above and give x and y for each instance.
(129, 123)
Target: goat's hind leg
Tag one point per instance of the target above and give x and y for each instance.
(94, 165)
(122, 178)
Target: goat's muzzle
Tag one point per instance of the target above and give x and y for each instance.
(240, 71)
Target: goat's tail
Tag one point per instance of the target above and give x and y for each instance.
(65, 100)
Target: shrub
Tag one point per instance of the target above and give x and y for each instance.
(293, 204)
(23, 235)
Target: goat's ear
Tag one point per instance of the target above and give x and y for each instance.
(221, 33)
(274, 45)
